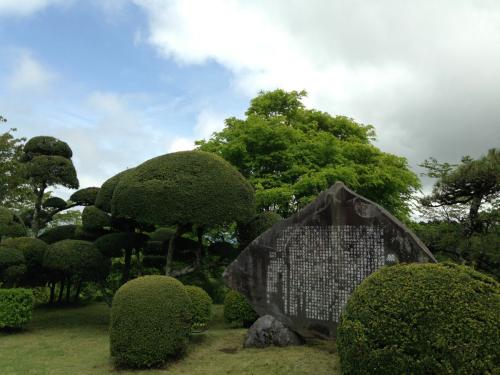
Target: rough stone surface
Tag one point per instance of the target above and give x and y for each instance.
(303, 269)
(267, 331)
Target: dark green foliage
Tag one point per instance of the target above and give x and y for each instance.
(190, 187)
(162, 234)
(261, 222)
(54, 202)
(95, 219)
(33, 250)
(62, 258)
(154, 248)
(44, 145)
(201, 307)
(210, 281)
(113, 244)
(51, 170)
(10, 224)
(16, 307)
(225, 250)
(150, 321)
(422, 319)
(237, 311)
(62, 232)
(12, 265)
(154, 261)
(88, 235)
(105, 194)
(85, 197)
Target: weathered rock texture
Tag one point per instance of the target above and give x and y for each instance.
(267, 331)
(303, 269)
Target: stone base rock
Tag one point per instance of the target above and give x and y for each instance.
(267, 330)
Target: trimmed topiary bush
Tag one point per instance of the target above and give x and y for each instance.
(95, 219)
(12, 265)
(201, 307)
(56, 234)
(113, 244)
(54, 202)
(105, 193)
(45, 145)
(422, 319)
(33, 250)
(150, 321)
(16, 307)
(237, 311)
(85, 197)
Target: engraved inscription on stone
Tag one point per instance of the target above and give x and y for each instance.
(314, 269)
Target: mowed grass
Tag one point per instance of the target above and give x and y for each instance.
(75, 341)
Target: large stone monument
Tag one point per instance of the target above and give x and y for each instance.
(303, 269)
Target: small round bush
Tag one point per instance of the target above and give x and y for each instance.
(150, 321)
(45, 145)
(62, 232)
(95, 219)
(201, 307)
(237, 311)
(54, 202)
(32, 248)
(113, 244)
(16, 307)
(85, 197)
(422, 319)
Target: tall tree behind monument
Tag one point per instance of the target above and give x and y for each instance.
(290, 154)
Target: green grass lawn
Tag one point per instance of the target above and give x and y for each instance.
(75, 341)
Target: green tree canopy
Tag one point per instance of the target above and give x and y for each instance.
(290, 154)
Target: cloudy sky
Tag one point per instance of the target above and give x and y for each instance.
(125, 80)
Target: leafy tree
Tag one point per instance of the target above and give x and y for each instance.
(10, 224)
(47, 162)
(290, 154)
(13, 190)
(463, 212)
(191, 189)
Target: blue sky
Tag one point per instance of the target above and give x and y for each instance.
(125, 80)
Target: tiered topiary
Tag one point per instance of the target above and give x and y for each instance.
(422, 319)
(150, 321)
(16, 307)
(237, 311)
(201, 307)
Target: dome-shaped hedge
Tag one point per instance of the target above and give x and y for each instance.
(422, 319)
(201, 307)
(112, 244)
(189, 187)
(105, 193)
(45, 145)
(33, 250)
(150, 321)
(54, 202)
(62, 232)
(237, 311)
(52, 170)
(85, 197)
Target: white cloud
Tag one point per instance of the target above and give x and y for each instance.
(29, 75)
(180, 144)
(27, 7)
(208, 122)
(424, 73)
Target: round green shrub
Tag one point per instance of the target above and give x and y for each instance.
(16, 307)
(237, 311)
(56, 234)
(201, 307)
(95, 219)
(33, 250)
(54, 202)
(85, 197)
(10, 256)
(105, 193)
(422, 319)
(162, 234)
(252, 229)
(189, 187)
(10, 224)
(52, 170)
(45, 145)
(150, 321)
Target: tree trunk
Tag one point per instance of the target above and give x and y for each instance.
(68, 291)
(35, 224)
(126, 266)
(199, 250)
(61, 290)
(474, 214)
(52, 292)
(78, 290)
(170, 252)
